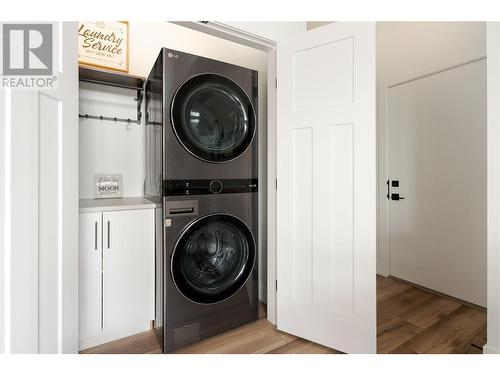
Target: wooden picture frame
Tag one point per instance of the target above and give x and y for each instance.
(104, 44)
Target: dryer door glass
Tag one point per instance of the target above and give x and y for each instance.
(213, 118)
(213, 258)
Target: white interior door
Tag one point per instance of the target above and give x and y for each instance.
(437, 152)
(326, 197)
(40, 207)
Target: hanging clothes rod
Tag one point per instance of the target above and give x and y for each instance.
(106, 118)
(125, 81)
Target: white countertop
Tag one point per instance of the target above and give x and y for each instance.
(115, 204)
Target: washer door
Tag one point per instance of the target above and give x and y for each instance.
(213, 118)
(213, 258)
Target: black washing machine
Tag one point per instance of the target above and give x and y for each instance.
(210, 272)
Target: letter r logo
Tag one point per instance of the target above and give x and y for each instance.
(27, 49)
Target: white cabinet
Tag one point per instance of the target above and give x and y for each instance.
(127, 271)
(116, 266)
(89, 276)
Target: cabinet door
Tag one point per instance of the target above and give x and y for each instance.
(128, 243)
(90, 274)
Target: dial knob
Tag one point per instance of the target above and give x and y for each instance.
(216, 186)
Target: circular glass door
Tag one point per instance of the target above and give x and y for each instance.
(213, 118)
(213, 258)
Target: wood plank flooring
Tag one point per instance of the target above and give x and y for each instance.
(259, 337)
(412, 320)
(409, 320)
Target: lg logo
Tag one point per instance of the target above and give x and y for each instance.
(27, 49)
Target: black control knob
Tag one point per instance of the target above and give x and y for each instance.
(216, 186)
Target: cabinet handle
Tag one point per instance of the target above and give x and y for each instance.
(109, 234)
(95, 236)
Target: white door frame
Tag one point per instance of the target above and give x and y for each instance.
(493, 186)
(232, 34)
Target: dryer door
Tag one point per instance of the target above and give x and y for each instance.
(213, 258)
(213, 118)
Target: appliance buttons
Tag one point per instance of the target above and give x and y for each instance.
(216, 186)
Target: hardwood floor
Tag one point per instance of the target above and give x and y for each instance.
(259, 337)
(412, 320)
(409, 320)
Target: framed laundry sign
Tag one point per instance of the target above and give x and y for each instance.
(107, 186)
(103, 44)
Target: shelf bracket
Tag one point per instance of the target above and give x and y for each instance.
(139, 105)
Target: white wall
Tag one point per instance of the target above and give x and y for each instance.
(147, 38)
(493, 147)
(110, 148)
(408, 50)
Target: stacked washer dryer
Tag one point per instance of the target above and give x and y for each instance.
(201, 151)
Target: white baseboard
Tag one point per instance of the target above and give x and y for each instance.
(489, 350)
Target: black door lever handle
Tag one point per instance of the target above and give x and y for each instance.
(396, 197)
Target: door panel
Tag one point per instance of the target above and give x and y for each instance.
(326, 199)
(302, 229)
(39, 150)
(127, 291)
(337, 74)
(341, 230)
(437, 152)
(89, 277)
